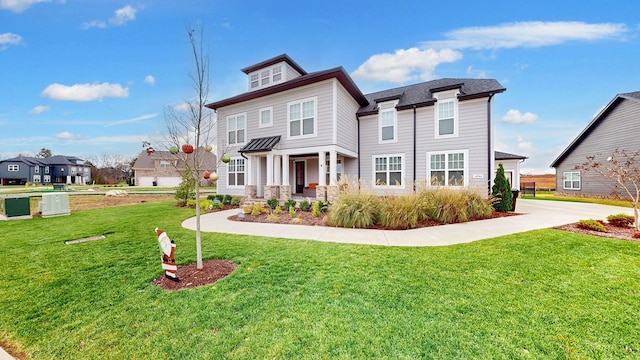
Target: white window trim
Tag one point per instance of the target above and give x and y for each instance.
(234, 159)
(456, 117)
(235, 116)
(315, 119)
(564, 177)
(13, 167)
(260, 124)
(395, 124)
(36, 170)
(402, 171)
(46, 169)
(465, 173)
(257, 80)
(47, 179)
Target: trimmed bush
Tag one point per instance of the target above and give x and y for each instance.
(226, 199)
(235, 201)
(289, 203)
(315, 211)
(621, 220)
(590, 224)
(272, 203)
(501, 191)
(191, 203)
(305, 205)
(277, 210)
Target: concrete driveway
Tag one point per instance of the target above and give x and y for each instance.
(535, 214)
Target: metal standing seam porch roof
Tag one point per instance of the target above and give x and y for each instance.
(260, 144)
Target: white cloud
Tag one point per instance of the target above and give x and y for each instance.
(39, 109)
(514, 116)
(404, 65)
(479, 74)
(19, 6)
(149, 79)
(65, 135)
(524, 145)
(182, 107)
(123, 15)
(133, 120)
(527, 34)
(84, 92)
(7, 39)
(120, 17)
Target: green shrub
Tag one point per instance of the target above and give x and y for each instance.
(289, 203)
(191, 203)
(273, 202)
(621, 220)
(399, 212)
(226, 199)
(211, 197)
(235, 201)
(258, 209)
(354, 209)
(204, 204)
(590, 224)
(277, 210)
(305, 205)
(186, 190)
(501, 191)
(292, 211)
(218, 197)
(315, 211)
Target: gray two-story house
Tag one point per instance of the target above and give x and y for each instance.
(55, 169)
(298, 133)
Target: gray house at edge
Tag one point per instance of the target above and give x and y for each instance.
(55, 169)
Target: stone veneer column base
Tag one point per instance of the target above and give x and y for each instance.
(285, 194)
(321, 193)
(250, 191)
(271, 191)
(332, 193)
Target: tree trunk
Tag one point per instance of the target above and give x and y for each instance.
(198, 242)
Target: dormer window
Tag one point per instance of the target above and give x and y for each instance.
(265, 77)
(254, 81)
(277, 73)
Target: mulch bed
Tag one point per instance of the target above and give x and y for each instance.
(613, 232)
(190, 276)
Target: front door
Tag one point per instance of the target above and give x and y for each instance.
(299, 177)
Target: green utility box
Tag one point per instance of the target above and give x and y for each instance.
(12, 208)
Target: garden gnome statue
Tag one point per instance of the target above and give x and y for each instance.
(168, 248)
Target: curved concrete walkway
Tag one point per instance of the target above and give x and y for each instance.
(535, 214)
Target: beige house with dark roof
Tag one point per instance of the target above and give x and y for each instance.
(164, 169)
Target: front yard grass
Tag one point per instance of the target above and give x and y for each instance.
(550, 195)
(541, 294)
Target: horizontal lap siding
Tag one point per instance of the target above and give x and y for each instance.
(618, 130)
(347, 123)
(472, 136)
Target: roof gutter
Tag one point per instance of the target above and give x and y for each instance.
(415, 130)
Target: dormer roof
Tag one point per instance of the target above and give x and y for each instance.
(273, 61)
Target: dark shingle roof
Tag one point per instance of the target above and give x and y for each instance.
(422, 94)
(499, 155)
(272, 61)
(631, 96)
(147, 161)
(260, 144)
(52, 160)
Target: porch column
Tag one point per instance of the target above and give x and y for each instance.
(277, 170)
(269, 169)
(248, 171)
(322, 171)
(285, 169)
(333, 167)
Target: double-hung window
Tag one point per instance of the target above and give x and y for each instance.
(338, 171)
(388, 125)
(446, 115)
(277, 73)
(571, 180)
(36, 169)
(236, 129)
(266, 117)
(14, 167)
(448, 168)
(46, 169)
(302, 118)
(236, 172)
(388, 170)
(265, 77)
(254, 81)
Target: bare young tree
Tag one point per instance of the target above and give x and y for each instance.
(191, 127)
(623, 167)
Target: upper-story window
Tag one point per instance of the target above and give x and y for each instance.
(73, 170)
(164, 164)
(446, 115)
(14, 167)
(36, 169)
(266, 117)
(254, 81)
(236, 129)
(302, 118)
(277, 73)
(264, 74)
(46, 169)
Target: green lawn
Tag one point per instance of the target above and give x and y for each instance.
(541, 294)
(550, 195)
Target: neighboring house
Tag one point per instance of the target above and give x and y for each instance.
(55, 169)
(615, 127)
(164, 169)
(299, 133)
(511, 165)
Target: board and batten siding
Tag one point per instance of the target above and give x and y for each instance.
(472, 136)
(618, 130)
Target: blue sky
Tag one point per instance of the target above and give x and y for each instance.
(93, 78)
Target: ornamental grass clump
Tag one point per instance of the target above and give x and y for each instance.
(452, 206)
(399, 212)
(355, 209)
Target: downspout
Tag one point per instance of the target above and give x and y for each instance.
(358, 121)
(415, 130)
(489, 152)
